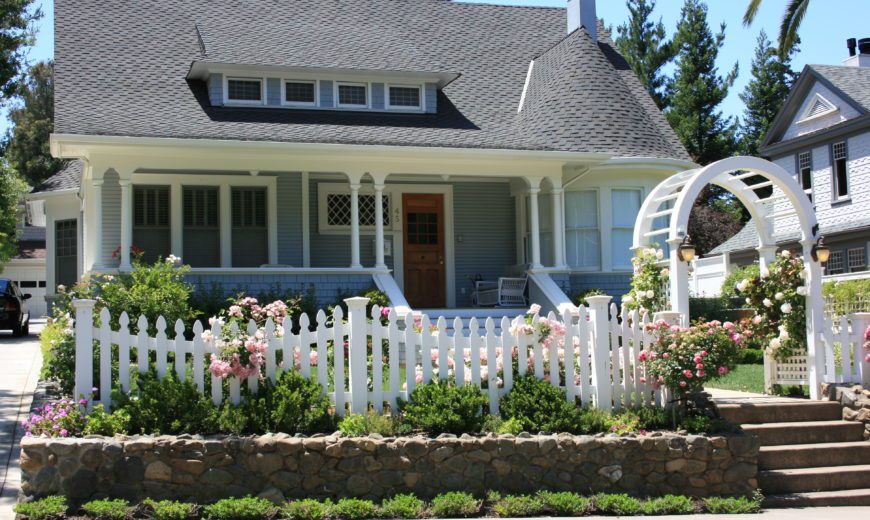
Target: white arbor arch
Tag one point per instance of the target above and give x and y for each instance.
(673, 199)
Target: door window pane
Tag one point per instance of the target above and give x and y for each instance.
(202, 239)
(250, 238)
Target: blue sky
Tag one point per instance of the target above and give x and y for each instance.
(827, 26)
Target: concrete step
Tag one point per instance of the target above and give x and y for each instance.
(800, 410)
(846, 497)
(802, 480)
(814, 455)
(815, 432)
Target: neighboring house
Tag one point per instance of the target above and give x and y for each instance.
(27, 267)
(822, 136)
(414, 146)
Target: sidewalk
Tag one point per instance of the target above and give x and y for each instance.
(818, 513)
(21, 361)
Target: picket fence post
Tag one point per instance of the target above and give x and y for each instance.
(601, 350)
(358, 345)
(84, 329)
(860, 322)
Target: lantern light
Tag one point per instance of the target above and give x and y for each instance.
(686, 250)
(820, 252)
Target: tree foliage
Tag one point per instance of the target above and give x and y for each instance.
(714, 219)
(772, 78)
(12, 188)
(33, 119)
(645, 47)
(16, 34)
(792, 18)
(697, 89)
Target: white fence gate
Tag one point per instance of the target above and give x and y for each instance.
(597, 362)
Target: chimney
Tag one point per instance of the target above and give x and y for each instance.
(859, 52)
(581, 13)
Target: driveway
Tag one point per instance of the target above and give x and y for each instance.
(21, 361)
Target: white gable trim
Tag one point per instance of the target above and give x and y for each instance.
(818, 108)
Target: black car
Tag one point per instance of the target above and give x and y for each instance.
(14, 313)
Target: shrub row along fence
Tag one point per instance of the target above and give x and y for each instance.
(364, 361)
(843, 358)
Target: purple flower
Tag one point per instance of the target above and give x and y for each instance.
(64, 433)
(94, 390)
(83, 401)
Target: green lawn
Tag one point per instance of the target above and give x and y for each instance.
(744, 378)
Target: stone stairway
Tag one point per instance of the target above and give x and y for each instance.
(809, 456)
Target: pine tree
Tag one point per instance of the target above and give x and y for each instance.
(26, 146)
(772, 78)
(644, 45)
(697, 89)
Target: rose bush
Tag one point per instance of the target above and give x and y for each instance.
(684, 359)
(778, 297)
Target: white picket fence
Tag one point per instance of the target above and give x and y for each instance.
(600, 365)
(843, 356)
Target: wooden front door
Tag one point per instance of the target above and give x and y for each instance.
(424, 250)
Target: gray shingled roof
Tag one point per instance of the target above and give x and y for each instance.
(852, 81)
(126, 74)
(747, 238)
(67, 178)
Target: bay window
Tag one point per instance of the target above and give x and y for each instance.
(582, 236)
(626, 206)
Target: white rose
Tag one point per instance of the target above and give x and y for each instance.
(666, 271)
(783, 334)
(765, 272)
(779, 296)
(748, 301)
(775, 343)
(801, 290)
(627, 299)
(803, 274)
(785, 308)
(660, 254)
(650, 294)
(757, 319)
(767, 302)
(786, 254)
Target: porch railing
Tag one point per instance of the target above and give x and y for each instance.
(358, 362)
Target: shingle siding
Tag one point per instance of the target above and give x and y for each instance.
(326, 94)
(327, 289)
(289, 187)
(378, 100)
(216, 89)
(273, 91)
(431, 98)
(484, 219)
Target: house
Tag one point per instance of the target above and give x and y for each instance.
(822, 136)
(337, 144)
(27, 267)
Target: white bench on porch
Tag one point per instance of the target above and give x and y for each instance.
(506, 292)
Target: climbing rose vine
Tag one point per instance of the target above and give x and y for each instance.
(648, 282)
(778, 297)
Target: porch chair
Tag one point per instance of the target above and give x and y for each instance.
(506, 292)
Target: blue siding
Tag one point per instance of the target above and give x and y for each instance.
(613, 284)
(378, 102)
(216, 89)
(431, 98)
(290, 219)
(273, 91)
(326, 97)
(484, 217)
(327, 288)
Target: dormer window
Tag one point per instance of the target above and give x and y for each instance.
(353, 95)
(300, 92)
(245, 90)
(403, 97)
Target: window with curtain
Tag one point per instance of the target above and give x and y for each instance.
(626, 205)
(582, 236)
(841, 170)
(201, 232)
(151, 232)
(250, 237)
(805, 172)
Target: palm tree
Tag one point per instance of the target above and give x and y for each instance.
(791, 22)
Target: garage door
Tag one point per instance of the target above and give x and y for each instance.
(36, 290)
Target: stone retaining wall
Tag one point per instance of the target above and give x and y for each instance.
(282, 467)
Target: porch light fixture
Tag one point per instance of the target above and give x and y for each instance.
(686, 250)
(820, 252)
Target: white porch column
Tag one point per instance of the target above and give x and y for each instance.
(354, 225)
(558, 228)
(126, 222)
(563, 261)
(815, 320)
(380, 262)
(97, 224)
(766, 255)
(536, 227)
(679, 281)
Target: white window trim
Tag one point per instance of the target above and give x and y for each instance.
(286, 103)
(368, 87)
(585, 269)
(848, 265)
(800, 178)
(325, 189)
(835, 187)
(228, 101)
(400, 108)
(831, 109)
(225, 184)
